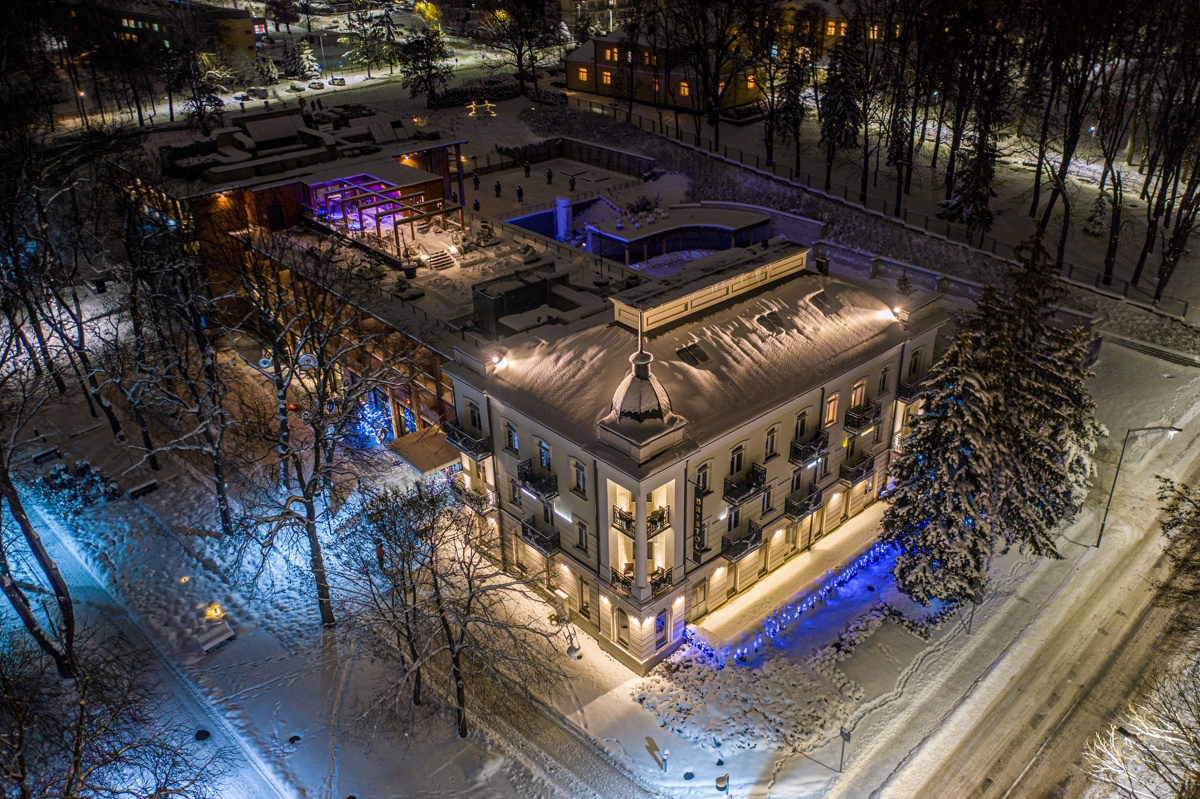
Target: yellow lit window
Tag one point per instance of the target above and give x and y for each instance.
(873, 33)
(582, 73)
(831, 28)
(845, 28)
(831, 410)
(656, 85)
(683, 89)
(721, 87)
(749, 81)
(646, 58)
(606, 77)
(608, 54)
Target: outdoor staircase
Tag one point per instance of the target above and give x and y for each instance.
(441, 259)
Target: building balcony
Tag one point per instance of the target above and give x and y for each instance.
(858, 473)
(864, 417)
(738, 492)
(658, 520)
(476, 500)
(661, 581)
(808, 453)
(734, 549)
(541, 485)
(800, 505)
(545, 542)
(909, 392)
(624, 520)
(467, 444)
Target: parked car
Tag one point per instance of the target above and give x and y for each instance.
(316, 84)
(337, 81)
(296, 87)
(241, 97)
(257, 93)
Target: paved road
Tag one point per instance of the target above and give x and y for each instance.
(250, 777)
(1031, 739)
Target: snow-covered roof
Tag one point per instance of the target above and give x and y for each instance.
(740, 368)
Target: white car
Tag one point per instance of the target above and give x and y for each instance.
(316, 84)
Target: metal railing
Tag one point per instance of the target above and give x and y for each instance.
(738, 492)
(478, 501)
(807, 453)
(658, 520)
(909, 392)
(853, 475)
(543, 486)
(735, 549)
(864, 417)
(802, 504)
(623, 520)
(545, 542)
(476, 448)
(660, 582)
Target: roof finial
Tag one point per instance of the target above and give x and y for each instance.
(640, 318)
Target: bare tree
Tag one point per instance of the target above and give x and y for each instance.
(337, 366)
(428, 594)
(103, 733)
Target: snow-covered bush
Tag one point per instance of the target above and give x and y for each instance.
(72, 489)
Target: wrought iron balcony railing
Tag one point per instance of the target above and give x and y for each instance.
(864, 417)
(738, 492)
(853, 475)
(479, 501)
(623, 520)
(800, 505)
(734, 549)
(541, 485)
(660, 582)
(467, 444)
(658, 520)
(804, 454)
(545, 542)
(909, 392)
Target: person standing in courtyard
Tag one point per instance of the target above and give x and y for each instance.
(520, 193)
(549, 176)
(497, 188)
(571, 183)
(527, 167)
(475, 180)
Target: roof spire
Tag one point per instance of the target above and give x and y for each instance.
(641, 317)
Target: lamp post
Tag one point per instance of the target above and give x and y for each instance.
(1171, 432)
(1133, 736)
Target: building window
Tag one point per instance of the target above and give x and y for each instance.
(510, 438)
(608, 54)
(660, 630)
(831, 410)
(844, 29)
(474, 417)
(770, 447)
(797, 478)
(702, 479)
(606, 78)
(801, 425)
(683, 89)
(749, 81)
(656, 85)
(580, 475)
(583, 73)
(646, 58)
(733, 518)
(622, 628)
(883, 381)
(859, 395)
(735, 460)
(721, 87)
(768, 499)
(582, 533)
(873, 33)
(914, 364)
(514, 492)
(831, 28)
(544, 454)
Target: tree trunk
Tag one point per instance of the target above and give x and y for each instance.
(318, 564)
(460, 693)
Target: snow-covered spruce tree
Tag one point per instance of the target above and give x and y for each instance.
(1045, 418)
(841, 114)
(946, 476)
(299, 61)
(265, 71)
(973, 192)
(1181, 526)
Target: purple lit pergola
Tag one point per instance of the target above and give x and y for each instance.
(359, 203)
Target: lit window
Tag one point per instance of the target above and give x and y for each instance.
(510, 437)
(874, 32)
(582, 73)
(749, 81)
(859, 395)
(156, 26)
(702, 479)
(721, 87)
(683, 89)
(831, 28)
(646, 58)
(544, 454)
(656, 85)
(831, 410)
(845, 28)
(166, 42)
(606, 78)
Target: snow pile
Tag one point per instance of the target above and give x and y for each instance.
(776, 702)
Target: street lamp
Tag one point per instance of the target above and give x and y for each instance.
(1133, 736)
(1171, 431)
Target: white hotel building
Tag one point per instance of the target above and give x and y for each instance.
(651, 476)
